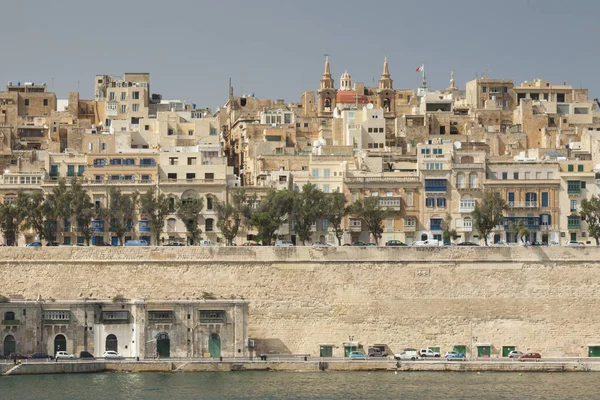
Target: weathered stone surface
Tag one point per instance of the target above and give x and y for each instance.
(538, 299)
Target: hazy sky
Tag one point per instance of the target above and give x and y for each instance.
(275, 48)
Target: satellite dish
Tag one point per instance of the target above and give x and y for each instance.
(370, 106)
(457, 145)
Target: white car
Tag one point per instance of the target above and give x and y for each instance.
(319, 244)
(63, 355)
(111, 354)
(429, 242)
(515, 354)
(574, 243)
(407, 354)
(206, 243)
(283, 243)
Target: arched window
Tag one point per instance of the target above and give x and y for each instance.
(386, 105)
(209, 225)
(188, 195)
(171, 225)
(327, 104)
(210, 202)
(460, 181)
(112, 343)
(473, 180)
(171, 203)
(9, 316)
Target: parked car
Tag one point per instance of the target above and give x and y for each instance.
(407, 354)
(574, 243)
(530, 356)
(357, 355)
(429, 353)
(371, 244)
(429, 242)
(86, 355)
(37, 356)
(467, 244)
(35, 244)
(539, 244)
(175, 244)
(501, 244)
(137, 243)
(111, 354)
(454, 355)
(359, 244)
(283, 243)
(376, 352)
(394, 243)
(60, 355)
(251, 243)
(52, 244)
(319, 244)
(17, 356)
(554, 244)
(515, 354)
(208, 243)
(105, 244)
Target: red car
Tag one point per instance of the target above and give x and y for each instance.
(530, 355)
(17, 356)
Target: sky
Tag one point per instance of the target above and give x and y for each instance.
(275, 48)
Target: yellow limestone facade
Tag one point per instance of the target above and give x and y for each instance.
(301, 300)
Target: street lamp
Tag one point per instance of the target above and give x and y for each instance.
(351, 342)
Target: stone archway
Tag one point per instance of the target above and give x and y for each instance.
(112, 343)
(10, 345)
(163, 345)
(60, 343)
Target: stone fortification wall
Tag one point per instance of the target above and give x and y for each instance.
(538, 299)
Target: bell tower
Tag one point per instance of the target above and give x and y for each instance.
(326, 93)
(386, 96)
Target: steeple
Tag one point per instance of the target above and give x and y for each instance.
(326, 80)
(385, 82)
(452, 81)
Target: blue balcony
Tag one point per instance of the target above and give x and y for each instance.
(98, 226)
(144, 226)
(435, 185)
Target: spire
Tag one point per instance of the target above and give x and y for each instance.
(386, 71)
(326, 80)
(385, 82)
(452, 80)
(327, 72)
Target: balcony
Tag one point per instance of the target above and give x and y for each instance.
(468, 186)
(467, 166)
(523, 204)
(11, 322)
(57, 317)
(465, 228)
(355, 227)
(390, 203)
(119, 182)
(410, 228)
(386, 179)
(194, 181)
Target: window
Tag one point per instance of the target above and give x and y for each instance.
(573, 187)
(430, 202)
(410, 222)
(45, 102)
(573, 222)
(80, 170)
(208, 225)
(434, 166)
(436, 151)
(170, 132)
(409, 199)
(324, 225)
(70, 170)
(191, 161)
(172, 176)
(545, 199)
(315, 173)
(484, 89)
(435, 224)
(467, 223)
(160, 316)
(123, 95)
(570, 168)
(135, 107)
(26, 102)
(441, 202)
(190, 176)
(573, 205)
(580, 168)
(213, 131)
(209, 176)
(326, 172)
(582, 184)
(172, 160)
(435, 185)
(123, 108)
(467, 205)
(115, 316)
(9, 316)
(516, 176)
(209, 203)
(212, 316)
(57, 315)
(326, 188)
(504, 176)
(135, 95)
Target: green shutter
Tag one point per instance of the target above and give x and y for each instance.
(506, 350)
(484, 351)
(594, 351)
(460, 348)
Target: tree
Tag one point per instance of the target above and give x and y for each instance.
(488, 214)
(230, 214)
(590, 212)
(82, 208)
(448, 234)
(371, 214)
(120, 212)
(521, 231)
(157, 209)
(188, 210)
(272, 211)
(11, 218)
(56, 204)
(307, 208)
(334, 211)
(35, 211)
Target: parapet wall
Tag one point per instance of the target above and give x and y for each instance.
(543, 299)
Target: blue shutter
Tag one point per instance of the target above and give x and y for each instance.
(544, 199)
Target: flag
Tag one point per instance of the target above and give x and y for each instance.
(419, 69)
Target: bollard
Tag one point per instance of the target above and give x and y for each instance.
(221, 358)
(305, 358)
(137, 358)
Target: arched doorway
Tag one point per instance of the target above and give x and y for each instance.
(112, 343)
(424, 236)
(163, 345)
(60, 343)
(214, 345)
(10, 345)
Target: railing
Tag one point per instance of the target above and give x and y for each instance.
(359, 179)
(467, 166)
(523, 204)
(390, 202)
(11, 322)
(119, 182)
(466, 209)
(468, 186)
(574, 226)
(196, 181)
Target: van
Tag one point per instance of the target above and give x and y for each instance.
(136, 243)
(428, 242)
(407, 354)
(206, 243)
(283, 243)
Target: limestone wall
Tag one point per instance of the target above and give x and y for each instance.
(538, 299)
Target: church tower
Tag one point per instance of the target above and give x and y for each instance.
(326, 93)
(386, 96)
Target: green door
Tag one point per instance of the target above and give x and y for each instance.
(460, 348)
(484, 351)
(506, 350)
(326, 351)
(60, 343)
(214, 345)
(348, 349)
(163, 345)
(594, 351)
(10, 345)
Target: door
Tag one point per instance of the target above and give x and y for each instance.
(594, 351)
(10, 345)
(573, 236)
(326, 351)
(214, 345)
(348, 349)
(114, 241)
(112, 343)
(511, 199)
(484, 351)
(60, 343)
(163, 345)
(460, 348)
(506, 350)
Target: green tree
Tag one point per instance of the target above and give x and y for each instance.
(188, 210)
(82, 208)
(590, 212)
(57, 205)
(120, 212)
(157, 209)
(12, 216)
(488, 214)
(307, 208)
(35, 213)
(272, 211)
(334, 211)
(230, 214)
(521, 231)
(371, 214)
(448, 234)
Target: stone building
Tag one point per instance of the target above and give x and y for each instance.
(140, 328)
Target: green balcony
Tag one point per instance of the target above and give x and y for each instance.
(574, 226)
(11, 322)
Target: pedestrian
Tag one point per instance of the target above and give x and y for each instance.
(15, 360)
